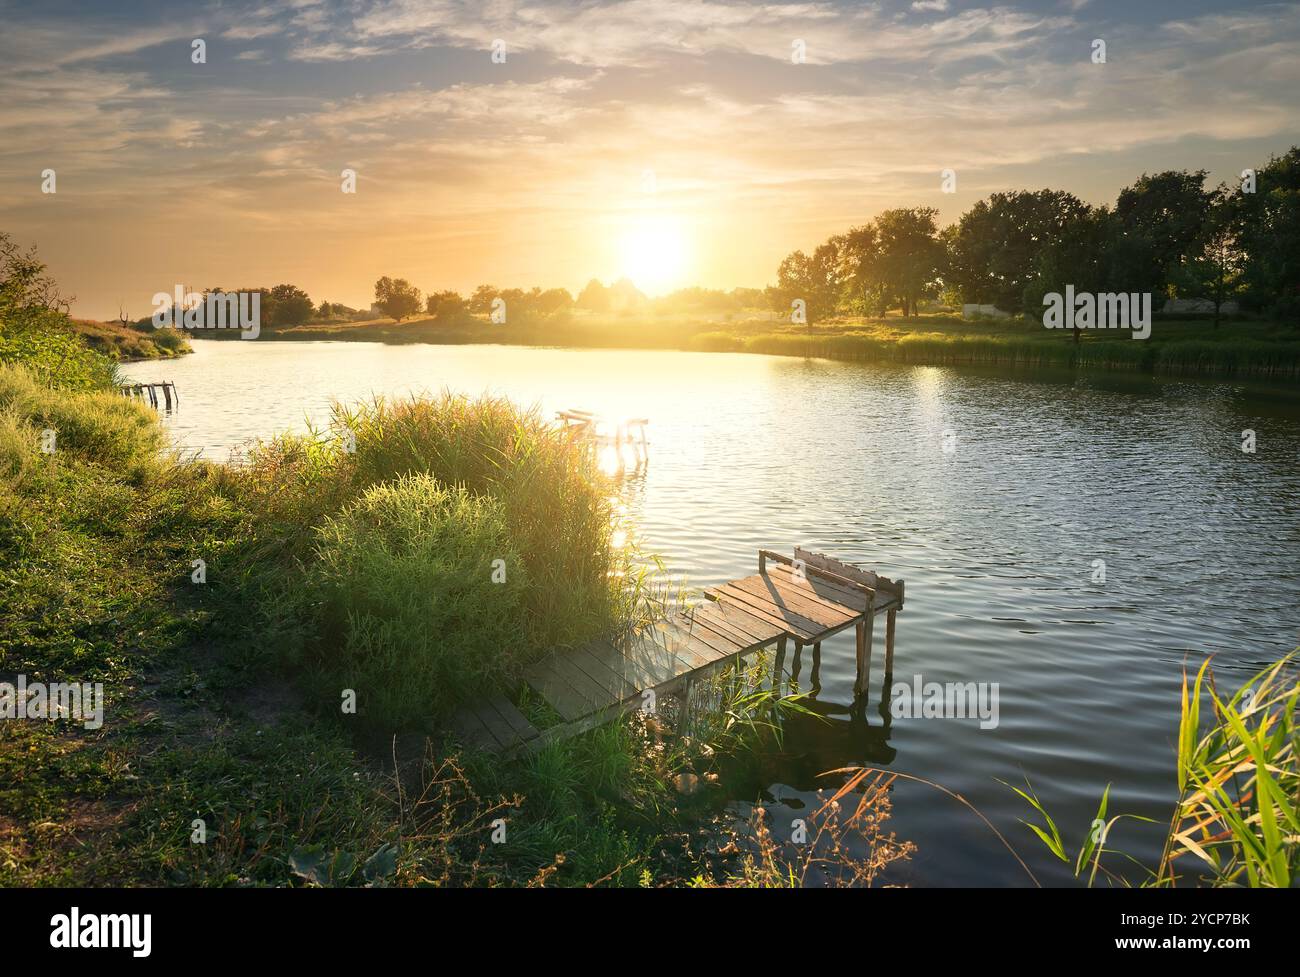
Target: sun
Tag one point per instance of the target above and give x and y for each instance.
(654, 253)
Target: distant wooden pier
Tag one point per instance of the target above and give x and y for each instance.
(584, 426)
(806, 599)
(153, 392)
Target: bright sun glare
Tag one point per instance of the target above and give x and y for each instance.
(653, 252)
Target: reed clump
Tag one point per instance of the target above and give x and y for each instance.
(415, 532)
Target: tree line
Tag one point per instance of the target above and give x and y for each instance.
(1168, 234)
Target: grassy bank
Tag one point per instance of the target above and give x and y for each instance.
(126, 342)
(1183, 347)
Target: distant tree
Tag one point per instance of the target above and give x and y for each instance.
(696, 300)
(858, 253)
(1163, 217)
(324, 310)
(993, 255)
(812, 279)
(749, 298)
(480, 302)
(910, 257)
(594, 297)
(1076, 255)
(1213, 271)
(290, 306)
(445, 305)
(397, 298)
(554, 300)
(1267, 224)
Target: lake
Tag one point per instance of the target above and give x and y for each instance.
(993, 495)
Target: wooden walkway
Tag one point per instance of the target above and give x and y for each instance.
(806, 599)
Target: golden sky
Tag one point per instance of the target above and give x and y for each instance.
(675, 142)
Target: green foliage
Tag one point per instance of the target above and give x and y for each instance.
(410, 616)
(44, 342)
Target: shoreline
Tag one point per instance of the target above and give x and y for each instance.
(1178, 348)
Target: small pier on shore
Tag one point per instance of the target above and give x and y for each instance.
(164, 392)
(805, 599)
(621, 436)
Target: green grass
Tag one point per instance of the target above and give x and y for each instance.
(124, 342)
(421, 595)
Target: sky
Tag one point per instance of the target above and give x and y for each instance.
(675, 142)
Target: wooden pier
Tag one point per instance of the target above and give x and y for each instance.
(153, 392)
(805, 599)
(584, 426)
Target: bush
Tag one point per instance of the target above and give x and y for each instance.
(44, 342)
(555, 501)
(98, 426)
(411, 617)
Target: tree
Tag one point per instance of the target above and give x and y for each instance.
(1076, 255)
(859, 271)
(812, 279)
(1164, 217)
(290, 306)
(993, 255)
(594, 297)
(910, 257)
(554, 300)
(24, 286)
(444, 305)
(480, 302)
(397, 298)
(1268, 232)
(1214, 271)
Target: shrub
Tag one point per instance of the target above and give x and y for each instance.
(95, 425)
(555, 501)
(43, 341)
(411, 617)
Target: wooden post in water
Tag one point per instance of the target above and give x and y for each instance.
(779, 665)
(167, 395)
(889, 642)
(865, 627)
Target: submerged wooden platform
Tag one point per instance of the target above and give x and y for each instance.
(806, 599)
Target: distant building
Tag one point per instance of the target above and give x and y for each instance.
(972, 311)
(1196, 307)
